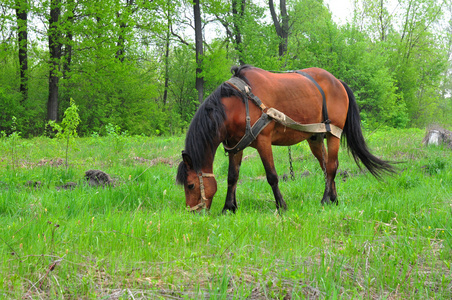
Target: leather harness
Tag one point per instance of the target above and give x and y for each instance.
(269, 114)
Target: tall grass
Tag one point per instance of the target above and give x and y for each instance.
(387, 239)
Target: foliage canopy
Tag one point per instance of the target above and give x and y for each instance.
(132, 63)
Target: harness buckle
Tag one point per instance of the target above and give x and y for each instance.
(327, 125)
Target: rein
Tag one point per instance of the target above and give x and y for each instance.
(202, 204)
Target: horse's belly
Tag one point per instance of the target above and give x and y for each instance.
(283, 136)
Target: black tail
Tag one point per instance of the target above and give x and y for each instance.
(356, 143)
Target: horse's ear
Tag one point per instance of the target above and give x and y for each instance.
(187, 160)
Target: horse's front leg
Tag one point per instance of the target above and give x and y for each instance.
(264, 148)
(233, 176)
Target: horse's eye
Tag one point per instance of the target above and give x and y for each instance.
(191, 186)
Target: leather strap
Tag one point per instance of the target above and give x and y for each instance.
(326, 120)
(244, 88)
(312, 128)
(250, 135)
(251, 132)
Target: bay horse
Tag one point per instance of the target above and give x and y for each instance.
(311, 96)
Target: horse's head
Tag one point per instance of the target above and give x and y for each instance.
(200, 187)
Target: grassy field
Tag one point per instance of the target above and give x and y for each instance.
(388, 239)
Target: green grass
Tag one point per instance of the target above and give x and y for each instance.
(387, 239)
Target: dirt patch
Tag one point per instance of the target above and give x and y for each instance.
(159, 160)
(140, 159)
(33, 184)
(247, 157)
(67, 186)
(343, 174)
(153, 162)
(54, 162)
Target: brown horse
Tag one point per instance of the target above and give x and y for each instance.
(313, 96)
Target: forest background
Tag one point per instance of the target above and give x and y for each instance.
(144, 66)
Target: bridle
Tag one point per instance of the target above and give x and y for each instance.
(202, 204)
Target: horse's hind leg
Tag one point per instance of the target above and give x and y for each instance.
(331, 168)
(328, 162)
(233, 176)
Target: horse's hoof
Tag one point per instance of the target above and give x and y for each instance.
(227, 210)
(329, 201)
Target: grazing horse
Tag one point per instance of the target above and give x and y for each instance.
(258, 108)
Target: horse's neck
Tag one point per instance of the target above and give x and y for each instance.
(210, 155)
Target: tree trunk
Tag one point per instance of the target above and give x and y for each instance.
(55, 56)
(282, 28)
(199, 50)
(238, 11)
(121, 42)
(383, 22)
(69, 39)
(122, 21)
(167, 49)
(22, 39)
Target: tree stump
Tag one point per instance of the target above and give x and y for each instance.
(438, 136)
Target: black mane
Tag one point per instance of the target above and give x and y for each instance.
(237, 71)
(206, 125)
